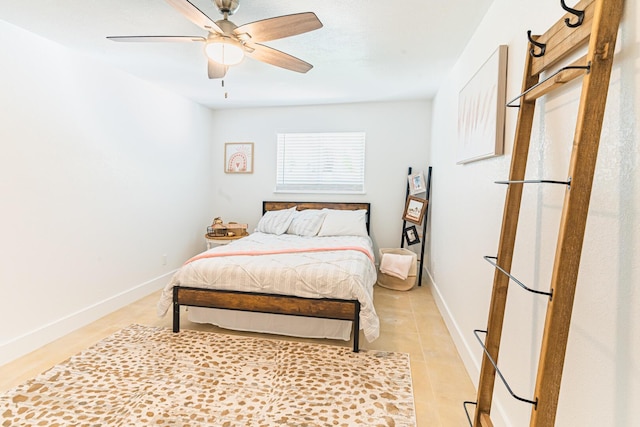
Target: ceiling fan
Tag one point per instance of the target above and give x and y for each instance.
(227, 44)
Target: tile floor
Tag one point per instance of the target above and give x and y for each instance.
(410, 322)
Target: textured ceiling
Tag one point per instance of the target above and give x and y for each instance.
(367, 50)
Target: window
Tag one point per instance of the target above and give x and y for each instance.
(320, 162)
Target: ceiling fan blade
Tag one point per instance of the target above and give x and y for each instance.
(216, 71)
(280, 27)
(157, 38)
(279, 59)
(195, 15)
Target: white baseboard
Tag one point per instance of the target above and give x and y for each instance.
(466, 350)
(30, 341)
(463, 346)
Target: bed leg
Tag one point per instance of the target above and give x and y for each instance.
(356, 327)
(176, 311)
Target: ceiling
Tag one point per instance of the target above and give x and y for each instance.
(367, 50)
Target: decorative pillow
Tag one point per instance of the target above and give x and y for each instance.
(344, 223)
(276, 222)
(306, 222)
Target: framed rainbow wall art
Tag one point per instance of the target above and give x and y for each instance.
(238, 157)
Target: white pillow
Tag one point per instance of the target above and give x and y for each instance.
(276, 222)
(344, 223)
(306, 222)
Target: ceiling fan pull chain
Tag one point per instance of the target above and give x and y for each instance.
(226, 94)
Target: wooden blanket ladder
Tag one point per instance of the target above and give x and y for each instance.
(592, 22)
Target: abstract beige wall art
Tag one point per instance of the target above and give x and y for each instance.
(481, 111)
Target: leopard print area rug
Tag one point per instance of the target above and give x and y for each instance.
(144, 376)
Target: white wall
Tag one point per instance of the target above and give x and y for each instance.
(601, 380)
(397, 137)
(101, 175)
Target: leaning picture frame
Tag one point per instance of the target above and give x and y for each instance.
(416, 183)
(411, 235)
(415, 209)
(238, 157)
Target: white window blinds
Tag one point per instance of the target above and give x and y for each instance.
(321, 162)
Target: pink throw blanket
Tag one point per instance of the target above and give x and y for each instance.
(396, 265)
(278, 251)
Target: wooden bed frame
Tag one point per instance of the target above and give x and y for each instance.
(325, 308)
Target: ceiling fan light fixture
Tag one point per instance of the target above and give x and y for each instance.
(225, 51)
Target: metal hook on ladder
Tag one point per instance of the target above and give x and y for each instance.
(542, 46)
(578, 13)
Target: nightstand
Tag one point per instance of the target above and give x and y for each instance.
(222, 240)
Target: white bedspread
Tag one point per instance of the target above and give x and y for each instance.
(342, 274)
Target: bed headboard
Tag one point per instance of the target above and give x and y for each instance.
(275, 206)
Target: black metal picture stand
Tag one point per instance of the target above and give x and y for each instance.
(407, 233)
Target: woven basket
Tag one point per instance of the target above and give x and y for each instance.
(396, 283)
